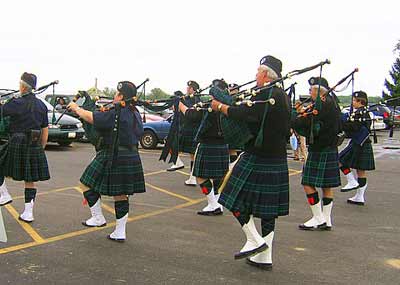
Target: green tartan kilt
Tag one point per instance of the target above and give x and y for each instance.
(257, 186)
(322, 169)
(211, 160)
(23, 161)
(358, 157)
(186, 139)
(124, 177)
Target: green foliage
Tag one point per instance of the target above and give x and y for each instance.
(345, 101)
(106, 92)
(393, 84)
(155, 93)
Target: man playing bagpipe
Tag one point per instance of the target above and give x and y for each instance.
(258, 184)
(233, 148)
(117, 169)
(23, 158)
(358, 154)
(188, 130)
(211, 156)
(320, 124)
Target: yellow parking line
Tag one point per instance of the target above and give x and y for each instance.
(169, 193)
(182, 172)
(104, 206)
(395, 263)
(294, 171)
(154, 173)
(44, 193)
(89, 230)
(27, 227)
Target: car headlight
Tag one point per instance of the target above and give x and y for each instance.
(79, 125)
(51, 126)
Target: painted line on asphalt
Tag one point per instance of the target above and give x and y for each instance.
(45, 193)
(27, 227)
(89, 230)
(393, 263)
(169, 192)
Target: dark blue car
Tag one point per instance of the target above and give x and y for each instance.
(155, 132)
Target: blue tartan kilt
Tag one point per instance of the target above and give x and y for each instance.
(22, 160)
(258, 186)
(358, 157)
(211, 161)
(322, 169)
(123, 177)
(186, 139)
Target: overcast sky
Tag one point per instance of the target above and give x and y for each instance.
(174, 41)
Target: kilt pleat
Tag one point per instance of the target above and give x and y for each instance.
(23, 161)
(258, 186)
(322, 169)
(124, 177)
(358, 157)
(211, 160)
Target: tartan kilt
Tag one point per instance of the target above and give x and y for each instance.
(211, 160)
(257, 186)
(23, 161)
(358, 157)
(322, 169)
(186, 139)
(124, 177)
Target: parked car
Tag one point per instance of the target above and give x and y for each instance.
(395, 114)
(66, 131)
(155, 132)
(383, 111)
(377, 121)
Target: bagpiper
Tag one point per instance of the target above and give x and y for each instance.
(321, 125)
(258, 184)
(23, 158)
(211, 156)
(117, 168)
(358, 154)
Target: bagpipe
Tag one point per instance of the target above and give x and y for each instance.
(313, 109)
(12, 94)
(237, 132)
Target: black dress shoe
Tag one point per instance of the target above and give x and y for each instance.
(90, 226)
(320, 227)
(216, 212)
(263, 266)
(116, 239)
(355, 202)
(252, 252)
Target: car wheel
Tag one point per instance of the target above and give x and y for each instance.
(64, 143)
(149, 140)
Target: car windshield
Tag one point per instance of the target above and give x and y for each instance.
(48, 105)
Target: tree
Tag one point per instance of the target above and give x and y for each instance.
(393, 85)
(155, 94)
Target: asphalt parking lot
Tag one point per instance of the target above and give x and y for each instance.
(169, 244)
